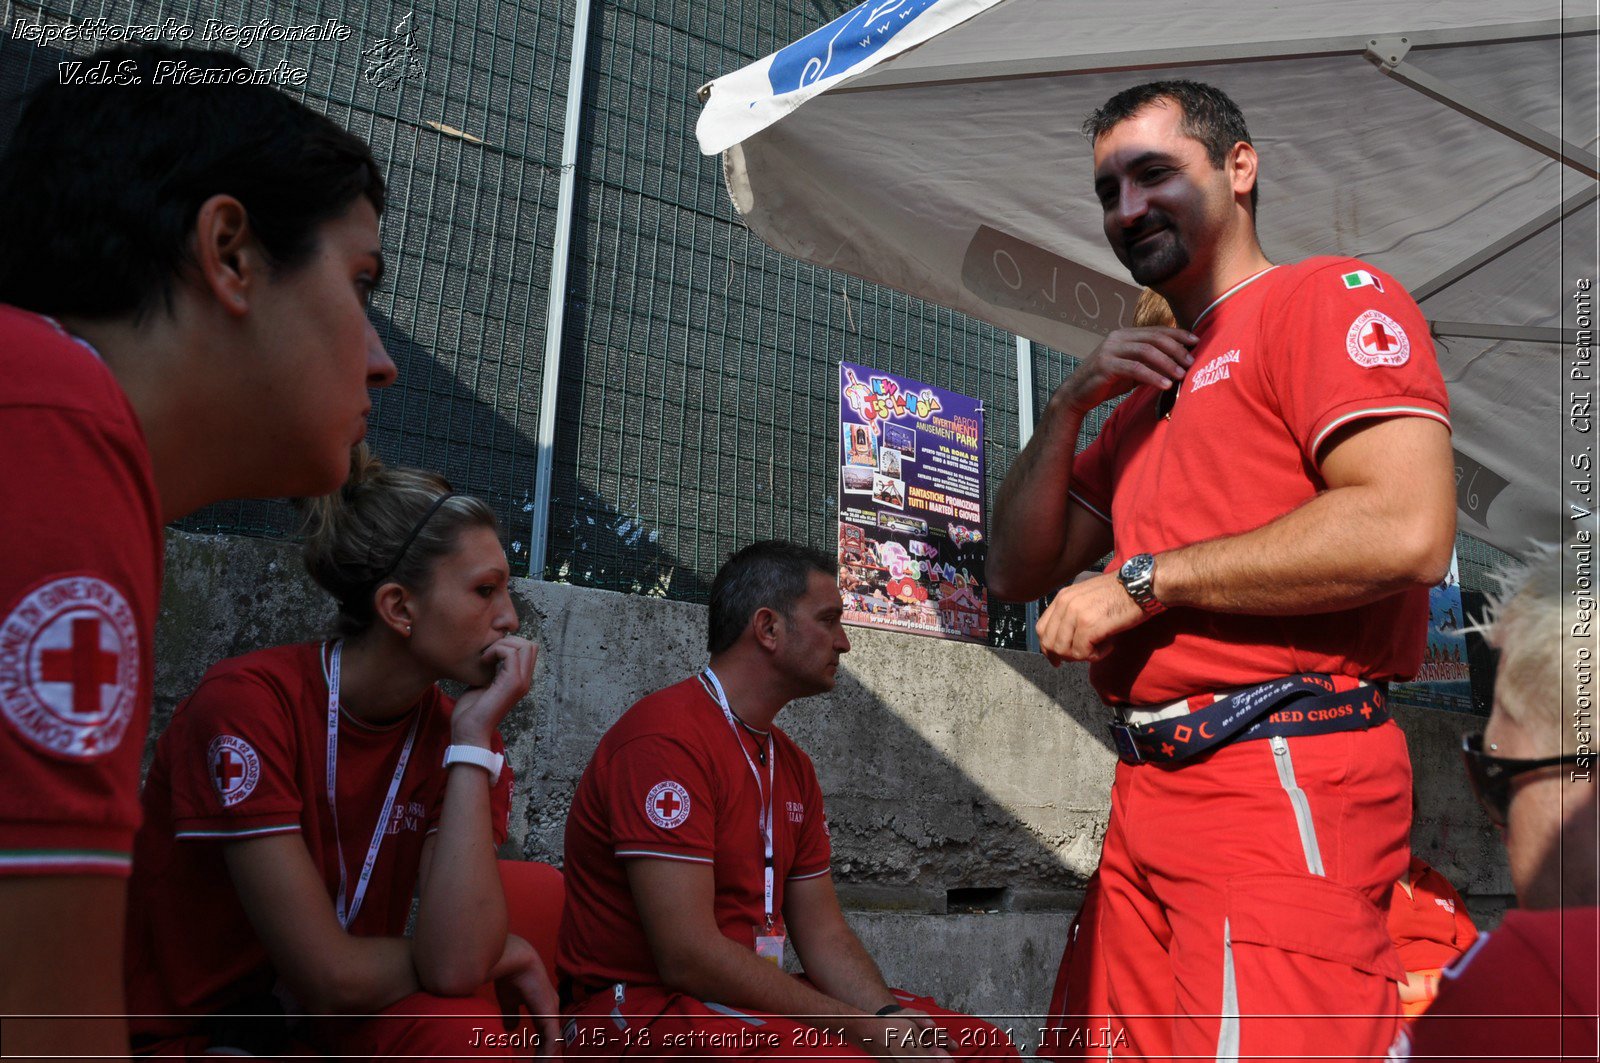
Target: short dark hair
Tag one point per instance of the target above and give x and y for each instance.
(103, 182)
(1209, 116)
(771, 574)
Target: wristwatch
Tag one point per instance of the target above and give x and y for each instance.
(1138, 578)
(478, 757)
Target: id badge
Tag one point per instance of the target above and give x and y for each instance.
(770, 948)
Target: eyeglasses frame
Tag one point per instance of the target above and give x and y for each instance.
(1487, 772)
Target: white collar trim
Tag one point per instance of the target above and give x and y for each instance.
(1218, 300)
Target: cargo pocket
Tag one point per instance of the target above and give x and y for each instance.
(1307, 967)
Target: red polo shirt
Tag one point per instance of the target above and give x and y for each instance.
(1284, 360)
(669, 782)
(246, 756)
(1527, 991)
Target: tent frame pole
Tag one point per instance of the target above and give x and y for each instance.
(1484, 331)
(1389, 53)
(1025, 433)
(1516, 238)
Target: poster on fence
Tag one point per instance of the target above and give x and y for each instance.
(1444, 681)
(911, 512)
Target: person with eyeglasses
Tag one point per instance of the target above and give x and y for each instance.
(1529, 989)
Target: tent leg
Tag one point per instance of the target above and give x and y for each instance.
(1025, 433)
(555, 313)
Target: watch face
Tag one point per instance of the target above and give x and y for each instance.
(1136, 566)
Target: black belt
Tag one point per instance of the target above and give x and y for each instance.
(1291, 707)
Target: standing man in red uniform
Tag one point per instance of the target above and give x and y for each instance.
(1530, 989)
(1275, 491)
(184, 271)
(697, 844)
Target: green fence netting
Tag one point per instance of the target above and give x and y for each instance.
(698, 407)
(462, 104)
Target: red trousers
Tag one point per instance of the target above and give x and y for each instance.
(653, 1022)
(423, 1026)
(1242, 902)
(1078, 1024)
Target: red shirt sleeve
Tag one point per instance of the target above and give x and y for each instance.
(662, 801)
(1349, 344)
(813, 854)
(79, 577)
(231, 753)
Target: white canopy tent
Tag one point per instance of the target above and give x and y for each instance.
(933, 146)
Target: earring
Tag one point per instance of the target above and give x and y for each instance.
(408, 629)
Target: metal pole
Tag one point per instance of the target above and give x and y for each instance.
(555, 315)
(1389, 53)
(1025, 433)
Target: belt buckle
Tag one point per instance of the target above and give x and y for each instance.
(1122, 739)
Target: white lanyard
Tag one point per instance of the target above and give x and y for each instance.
(346, 917)
(764, 822)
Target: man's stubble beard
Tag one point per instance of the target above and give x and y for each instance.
(1160, 263)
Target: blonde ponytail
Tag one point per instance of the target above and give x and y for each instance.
(385, 525)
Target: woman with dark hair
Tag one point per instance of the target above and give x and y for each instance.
(304, 793)
(184, 274)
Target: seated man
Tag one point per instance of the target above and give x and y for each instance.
(697, 844)
(1529, 989)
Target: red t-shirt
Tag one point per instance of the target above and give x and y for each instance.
(1527, 991)
(1283, 361)
(668, 782)
(1429, 925)
(246, 756)
(80, 580)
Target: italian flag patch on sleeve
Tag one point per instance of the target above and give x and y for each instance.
(1361, 279)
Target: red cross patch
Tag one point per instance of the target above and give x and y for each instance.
(667, 805)
(69, 666)
(1377, 339)
(234, 768)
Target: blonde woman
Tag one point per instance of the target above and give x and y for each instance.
(303, 794)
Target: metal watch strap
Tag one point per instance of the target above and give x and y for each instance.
(1141, 587)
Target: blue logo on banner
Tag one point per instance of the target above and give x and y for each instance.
(842, 43)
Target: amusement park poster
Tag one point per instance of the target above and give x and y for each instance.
(911, 507)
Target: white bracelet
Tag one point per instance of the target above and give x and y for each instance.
(478, 757)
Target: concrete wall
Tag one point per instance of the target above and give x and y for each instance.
(967, 786)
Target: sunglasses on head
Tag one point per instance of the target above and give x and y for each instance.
(1491, 775)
